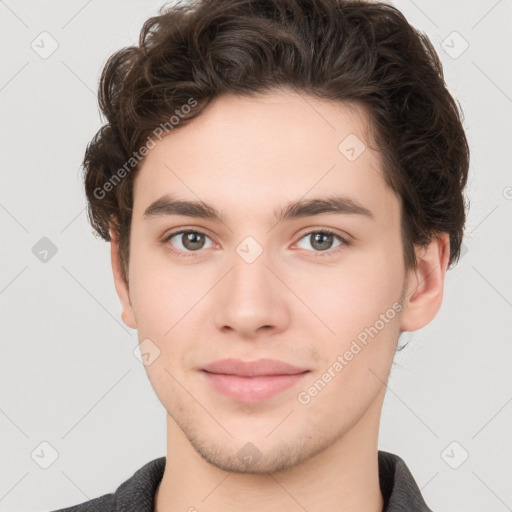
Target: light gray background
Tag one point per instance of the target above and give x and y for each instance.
(69, 374)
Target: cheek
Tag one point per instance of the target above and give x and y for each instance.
(167, 301)
(158, 294)
(354, 294)
(360, 304)
(362, 311)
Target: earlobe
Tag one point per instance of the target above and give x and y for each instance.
(120, 283)
(425, 283)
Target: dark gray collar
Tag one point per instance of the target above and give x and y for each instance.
(400, 491)
(398, 487)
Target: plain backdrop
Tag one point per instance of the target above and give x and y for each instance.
(78, 415)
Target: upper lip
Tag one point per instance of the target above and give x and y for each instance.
(259, 367)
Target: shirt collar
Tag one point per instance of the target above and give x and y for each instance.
(398, 487)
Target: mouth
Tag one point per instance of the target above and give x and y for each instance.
(252, 381)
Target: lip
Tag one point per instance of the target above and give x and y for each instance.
(252, 381)
(260, 367)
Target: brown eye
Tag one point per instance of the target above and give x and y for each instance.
(188, 241)
(323, 240)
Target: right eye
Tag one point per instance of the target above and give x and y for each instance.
(189, 241)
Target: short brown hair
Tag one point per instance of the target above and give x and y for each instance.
(343, 50)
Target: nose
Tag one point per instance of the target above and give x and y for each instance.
(251, 299)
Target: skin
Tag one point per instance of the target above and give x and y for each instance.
(247, 157)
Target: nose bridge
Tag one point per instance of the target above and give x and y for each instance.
(251, 297)
(250, 277)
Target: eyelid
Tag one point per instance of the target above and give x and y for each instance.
(181, 231)
(345, 237)
(186, 229)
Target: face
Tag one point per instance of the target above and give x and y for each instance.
(319, 288)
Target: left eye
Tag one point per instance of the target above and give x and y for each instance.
(322, 241)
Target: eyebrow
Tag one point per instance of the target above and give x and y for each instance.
(168, 205)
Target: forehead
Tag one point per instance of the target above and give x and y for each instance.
(248, 152)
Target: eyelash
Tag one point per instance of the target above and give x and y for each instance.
(317, 254)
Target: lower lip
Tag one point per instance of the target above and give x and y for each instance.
(252, 389)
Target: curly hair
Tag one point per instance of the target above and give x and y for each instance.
(351, 51)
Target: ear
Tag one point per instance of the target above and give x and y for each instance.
(120, 283)
(425, 284)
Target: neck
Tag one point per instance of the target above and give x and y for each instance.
(343, 477)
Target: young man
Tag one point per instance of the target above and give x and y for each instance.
(282, 184)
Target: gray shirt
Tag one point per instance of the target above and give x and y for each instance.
(399, 490)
